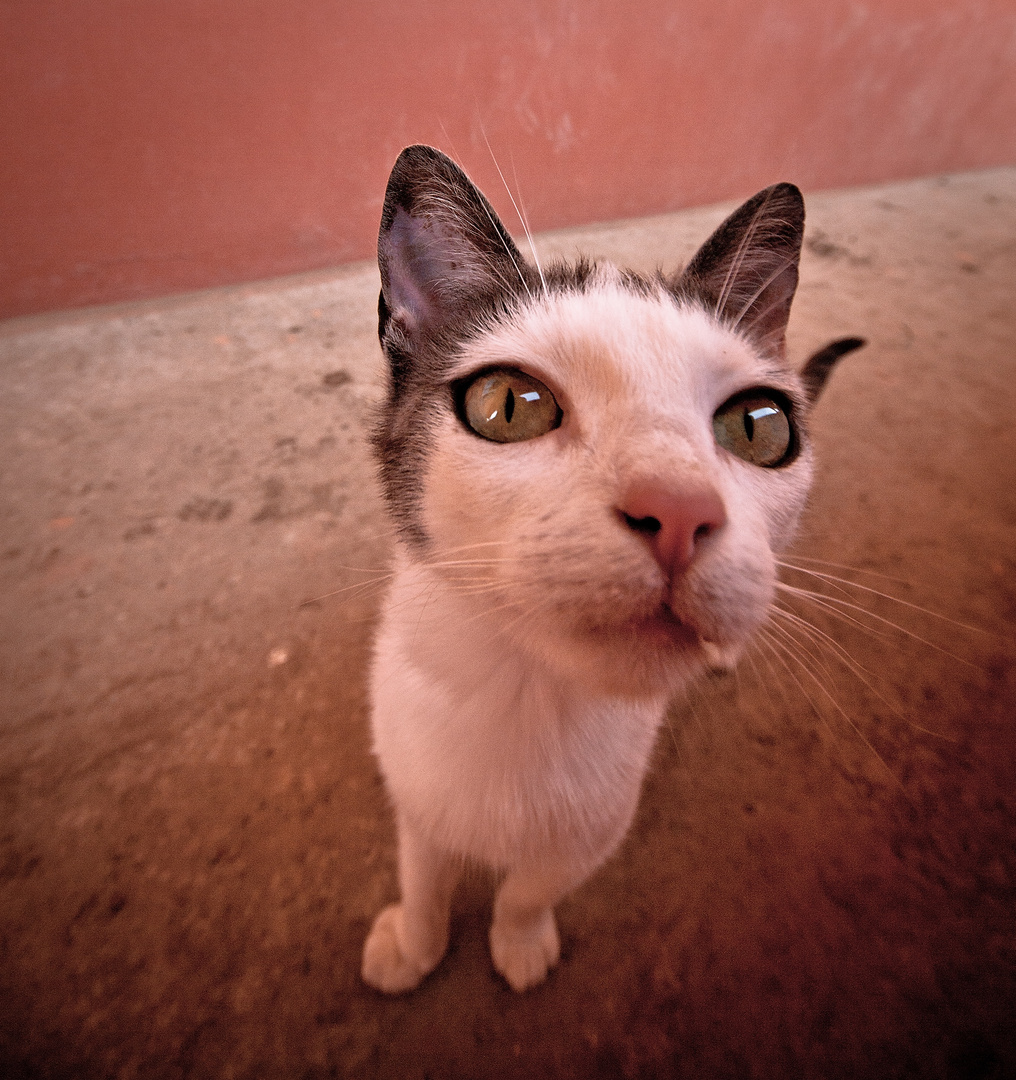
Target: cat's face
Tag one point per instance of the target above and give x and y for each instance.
(537, 528)
(627, 529)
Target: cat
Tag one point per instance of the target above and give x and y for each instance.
(591, 473)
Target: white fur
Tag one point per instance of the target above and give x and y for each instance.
(521, 671)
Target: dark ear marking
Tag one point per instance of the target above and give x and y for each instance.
(383, 315)
(746, 272)
(440, 246)
(817, 367)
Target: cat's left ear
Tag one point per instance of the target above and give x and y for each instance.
(746, 272)
(441, 247)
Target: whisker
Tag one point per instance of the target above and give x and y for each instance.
(494, 225)
(445, 564)
(460, 549)
(825, 603)
(478, 589)
(836, 705)
(820, 637)
(811, 646)
(823, 600)
(821, 640)
(504, 606)
(520, 213)
(694, 712)
(363, 588)
(764, 638)
(525, 225)
(884, 595)
(457, 158)
(363, 569)
(817, 575)
(837, 566)
(771, 680)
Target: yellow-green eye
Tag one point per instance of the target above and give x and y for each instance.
(756, 428)
(506, 405)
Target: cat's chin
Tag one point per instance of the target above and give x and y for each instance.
(645, 656)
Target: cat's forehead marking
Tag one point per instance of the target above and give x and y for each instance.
(612, 343)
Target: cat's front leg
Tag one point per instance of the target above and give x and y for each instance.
(409, 938)
(524, 942)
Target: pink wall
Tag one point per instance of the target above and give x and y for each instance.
(150, 147)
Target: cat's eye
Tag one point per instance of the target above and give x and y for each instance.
(756, 428)
(506, 405)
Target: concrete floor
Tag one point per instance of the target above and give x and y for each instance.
(193, 838)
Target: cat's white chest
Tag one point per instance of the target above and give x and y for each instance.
(489, 751)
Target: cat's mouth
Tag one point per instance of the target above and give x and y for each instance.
(666, 628)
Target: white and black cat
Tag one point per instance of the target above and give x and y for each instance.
(591, 473)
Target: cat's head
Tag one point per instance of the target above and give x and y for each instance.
(609, 462)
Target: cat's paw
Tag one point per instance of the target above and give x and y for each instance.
(524, 955)
(385, 964)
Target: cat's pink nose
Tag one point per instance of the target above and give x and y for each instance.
(673, 522)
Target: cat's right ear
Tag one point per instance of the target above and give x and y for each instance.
(746, 272)
(441, 249)
(816, 369)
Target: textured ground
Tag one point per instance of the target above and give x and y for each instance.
(193, 838)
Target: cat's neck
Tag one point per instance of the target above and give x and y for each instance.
(457, 637)
(488, 746)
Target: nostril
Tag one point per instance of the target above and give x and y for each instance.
(674, 523)
(648, 525)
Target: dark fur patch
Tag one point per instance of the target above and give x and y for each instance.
(818, 365)
(449, 272)
(746, 272)
(570, 277)
(641, 285)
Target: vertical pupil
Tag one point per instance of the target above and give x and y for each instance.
(749, 426)
(509, 406)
